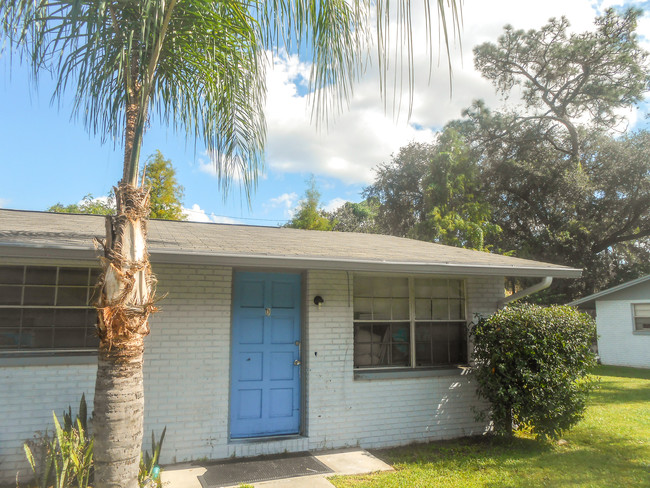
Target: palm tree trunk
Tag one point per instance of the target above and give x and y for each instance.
(124, 306)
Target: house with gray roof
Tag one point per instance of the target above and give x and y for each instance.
(268, 340)
(622, 322)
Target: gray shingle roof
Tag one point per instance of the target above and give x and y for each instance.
(26, 233)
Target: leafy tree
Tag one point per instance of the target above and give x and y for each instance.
(457, 212)
(532, 365)
(355, 217)
(434, 192)
(89, 205)
(568, 77)
(201, 65)
(159, 178)
(308, 215)
(398, 188)
(560, 186)
(165, 192)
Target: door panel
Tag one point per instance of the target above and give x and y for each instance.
(265, 382)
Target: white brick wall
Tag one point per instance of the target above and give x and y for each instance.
(187, 367)
(618, 344)
(343, 411)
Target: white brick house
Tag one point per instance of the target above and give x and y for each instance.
(623, 322)
(242, 359)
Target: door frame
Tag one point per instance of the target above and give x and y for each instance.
(302, 429)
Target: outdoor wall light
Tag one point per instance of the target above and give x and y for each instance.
(318, 300)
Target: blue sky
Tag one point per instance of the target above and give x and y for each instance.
(48, 158)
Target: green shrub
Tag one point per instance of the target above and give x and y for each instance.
(531, 365)
(149, 474)
(64, 460)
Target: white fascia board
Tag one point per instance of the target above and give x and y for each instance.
(292, 262)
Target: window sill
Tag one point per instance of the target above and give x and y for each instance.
(48, 359)
(641, 332)
(392, 374)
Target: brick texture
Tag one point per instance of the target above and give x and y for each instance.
(187, 367)
(618, 343)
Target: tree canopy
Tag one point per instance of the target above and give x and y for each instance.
(166, 194)
(309, 215)
(547, 180)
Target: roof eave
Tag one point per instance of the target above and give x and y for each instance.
(293, 262)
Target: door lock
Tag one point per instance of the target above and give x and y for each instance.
(297, 362)
(267, 312)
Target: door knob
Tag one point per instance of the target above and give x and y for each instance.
(297, 362)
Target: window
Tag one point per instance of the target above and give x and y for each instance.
(642, 316)
(409, 322)
(47, 308)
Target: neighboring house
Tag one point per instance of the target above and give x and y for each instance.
(623, 322)
(268, 339)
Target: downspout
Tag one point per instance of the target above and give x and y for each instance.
(545, 283)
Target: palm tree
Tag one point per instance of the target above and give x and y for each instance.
(200, 66)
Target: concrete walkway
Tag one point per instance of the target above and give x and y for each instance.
(340, 461)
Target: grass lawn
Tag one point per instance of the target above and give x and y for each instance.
(610, 447)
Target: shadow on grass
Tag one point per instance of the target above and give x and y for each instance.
(500, 463)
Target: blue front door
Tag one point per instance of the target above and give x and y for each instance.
(265, 372)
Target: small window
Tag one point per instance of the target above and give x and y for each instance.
(642, 316)
(47, 308)
(409, 322)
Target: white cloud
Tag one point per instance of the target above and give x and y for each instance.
(334, 204)
(197, 214)
(4, 202)
(366, 134)
(287, 202)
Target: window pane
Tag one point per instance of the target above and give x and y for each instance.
(439, 289)
(65, 338)
(642, 310)
(367, 345)
(381, 287)
(423, 353)
(423, 309)
(72, 296)
(455, 288)
(10, 295)
(400, 349)
(440, 309)
(456, 309)
(38, 317)
(642, 323)
(363, 308)
(423, 288)
(400, 309)
(92, 341)
(71, 318)
(457, 343)
(439, 344)
(362, 286)
(9, 338)
(400, 287)
(11, 275)
(73, 276)
(381, 309)
(40, 275)
(36, 338)
(39, 295)
(9, 317)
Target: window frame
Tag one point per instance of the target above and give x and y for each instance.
(58, 285)
(413, 321)
(635, 328)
